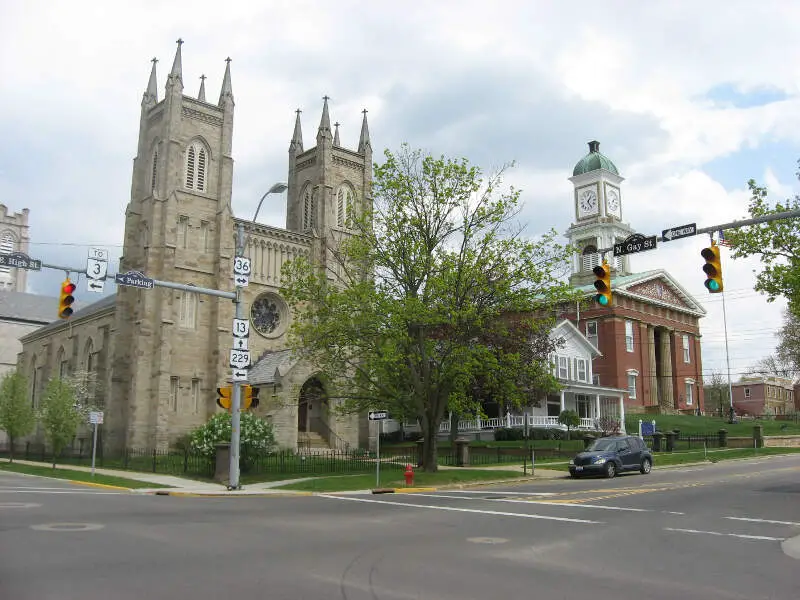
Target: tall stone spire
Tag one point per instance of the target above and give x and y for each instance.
(363, 140)
(325, 122)
(227, 88)
(201, 95)
(151, 93)
(336, 135)
(176, 74)
(297, 138)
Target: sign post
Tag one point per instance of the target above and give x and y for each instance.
(379, 416)
(95, 418)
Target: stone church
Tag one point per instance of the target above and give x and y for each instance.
(158, 355)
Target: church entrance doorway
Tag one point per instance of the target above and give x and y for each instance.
(312, 409)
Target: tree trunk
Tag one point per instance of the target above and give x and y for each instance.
(430, 454)
(10, 449)
(454, 419)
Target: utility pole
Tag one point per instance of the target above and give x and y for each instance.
(236, 397)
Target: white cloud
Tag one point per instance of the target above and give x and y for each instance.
(516, 80)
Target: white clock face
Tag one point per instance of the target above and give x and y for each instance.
(587, 202)
(612, 201)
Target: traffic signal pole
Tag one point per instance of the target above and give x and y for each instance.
(236, 397)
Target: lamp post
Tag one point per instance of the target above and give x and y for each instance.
(275, 189)
(236, 399)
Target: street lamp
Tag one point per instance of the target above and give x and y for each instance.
(275, 189)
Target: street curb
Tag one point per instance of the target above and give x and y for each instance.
(230, 494)
(105, 486)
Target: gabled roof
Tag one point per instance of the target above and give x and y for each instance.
(655, 287)
(82, 313)
(31, 308)
(270, 366)
(566, 329)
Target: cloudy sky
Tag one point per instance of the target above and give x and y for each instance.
(690, 100)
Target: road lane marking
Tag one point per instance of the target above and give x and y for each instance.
(672, 512)
(67, 527)
(736, 535)
(763, 521)
(534, 501)
(465, 510)
(19, 505)
(514, 493)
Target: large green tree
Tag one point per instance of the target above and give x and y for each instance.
(777, 243)
(60, 415)
(434, 298)
(17, 417)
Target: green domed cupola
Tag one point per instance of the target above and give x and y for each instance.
(594, 161)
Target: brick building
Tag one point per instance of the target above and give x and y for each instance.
(763, 395)
(650, 336)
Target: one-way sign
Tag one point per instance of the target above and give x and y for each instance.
(378, 415)
(676, 233)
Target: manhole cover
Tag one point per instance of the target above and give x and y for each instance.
(68, 527)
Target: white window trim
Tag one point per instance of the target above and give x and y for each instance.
(632, 379)
(688, 389)
(747, 392)
(686, 354)
(566, 361)
(629, 338)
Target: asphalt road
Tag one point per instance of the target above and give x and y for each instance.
(730, 531)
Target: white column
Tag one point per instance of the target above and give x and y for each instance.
(597, 406)
(622, 413)
(562, 400)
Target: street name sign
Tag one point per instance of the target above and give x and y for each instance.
(635, 243)
(20, 260)
(134, 279)
(378, 415)
(676, 233)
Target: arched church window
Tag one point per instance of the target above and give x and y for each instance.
(153, 178)
(590, 258)
(6, 247)
(309, 206)
(196, 163)
(344, 206)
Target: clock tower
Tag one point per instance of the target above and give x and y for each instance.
(598, 215)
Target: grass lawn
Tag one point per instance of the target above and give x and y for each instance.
(85, 476)
(394, 479)
(688, 424)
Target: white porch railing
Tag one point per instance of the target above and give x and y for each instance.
(508, 421)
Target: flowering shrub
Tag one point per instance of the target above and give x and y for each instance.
(256, 435)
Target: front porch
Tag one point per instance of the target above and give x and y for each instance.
(592, 403)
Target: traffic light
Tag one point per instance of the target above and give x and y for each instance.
(66, 299)
(224, 397)
(249, 397)
(712, 268)
(603, 284)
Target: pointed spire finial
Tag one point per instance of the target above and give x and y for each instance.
(363, 140)
(297, 138)
(201, 95)
(336, 135)
(177, 67)
(227, 88)
(325, 122)
(151, 93)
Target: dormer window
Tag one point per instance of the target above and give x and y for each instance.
(196, 161)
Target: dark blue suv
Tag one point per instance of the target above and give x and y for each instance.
(611, 455)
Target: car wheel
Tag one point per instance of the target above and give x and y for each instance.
(611, 469)
(646, 466)
(574, 475)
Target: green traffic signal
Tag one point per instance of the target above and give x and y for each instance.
(603, 284)
(712, 268)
